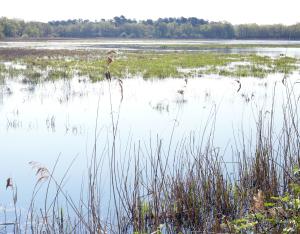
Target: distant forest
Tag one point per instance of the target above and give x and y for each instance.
(121, 27)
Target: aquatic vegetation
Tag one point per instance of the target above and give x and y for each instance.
(160, 107)
(2, 72)
(59, 74)
(2, 68)
(145, 64)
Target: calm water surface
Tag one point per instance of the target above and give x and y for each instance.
(153, 45)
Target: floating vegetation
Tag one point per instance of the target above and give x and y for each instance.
(161, 107)
(59, 74)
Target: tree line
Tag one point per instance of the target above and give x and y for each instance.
(121, 27)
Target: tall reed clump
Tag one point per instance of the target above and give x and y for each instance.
(193, 188)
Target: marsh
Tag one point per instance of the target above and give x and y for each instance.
(56, 103)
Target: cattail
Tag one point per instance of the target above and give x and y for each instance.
(121, 88)
(42, 172)
(109, 60)
(9, 183)
(107, 75)
(240, 85)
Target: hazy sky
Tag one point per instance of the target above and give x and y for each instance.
(234, 11)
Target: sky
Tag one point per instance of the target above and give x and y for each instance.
(233, 11)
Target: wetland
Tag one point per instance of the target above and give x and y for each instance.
(179, 138)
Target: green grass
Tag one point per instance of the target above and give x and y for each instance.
(148, 65)
(2, 71)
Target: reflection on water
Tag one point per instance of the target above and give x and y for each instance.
(59, 118)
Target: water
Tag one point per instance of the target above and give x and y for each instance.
(153, 45)
(91, 43)
(58, 119)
